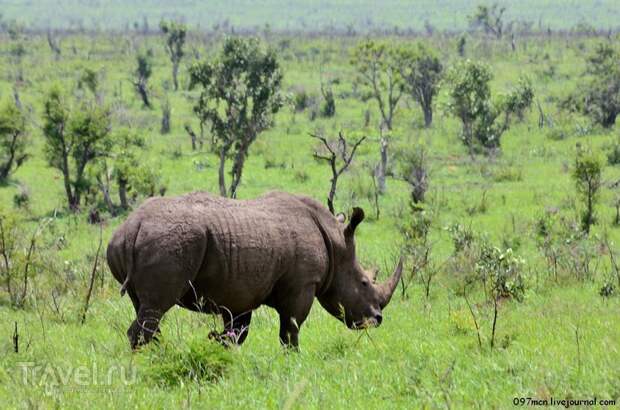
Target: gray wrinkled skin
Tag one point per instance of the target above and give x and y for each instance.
(228, 257)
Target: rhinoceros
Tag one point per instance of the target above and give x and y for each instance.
(226, 256)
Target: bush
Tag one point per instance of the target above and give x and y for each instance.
(462, 237)
(520, 99)
(603, 91)
(470, 101)
(196, 361)
(613, 152)
(20, 257)
(22, 198)
(413, 167)
(587, 175)
(508, 173)
(558, 133)
(501, 270)
(13, 139)
(329, 105)
(302, 100)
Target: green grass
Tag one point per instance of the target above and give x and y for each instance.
(561, 341)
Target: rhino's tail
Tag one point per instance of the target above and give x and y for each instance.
(129, 246)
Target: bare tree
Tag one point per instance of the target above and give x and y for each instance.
(143, 72)
(175, 40)
(378, 68)
(337, 151)
(490, 18)
(377, 65)
(53, 43)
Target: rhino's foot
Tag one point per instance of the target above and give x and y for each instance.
(235, 330)
(228, 338)
(143, 330)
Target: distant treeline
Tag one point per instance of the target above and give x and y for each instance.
(309, 16)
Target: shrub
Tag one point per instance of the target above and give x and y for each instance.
(418, 247)
(470, 102)
(13, 139)
(20, 258)
(22, 198)
(613, 152)
(412, 168)
(508, 173)
(329, 105)
(602, 92)
(519, 99)
(462, 237)
(500, 269)
(302, 100)
(587, 176)
(196, 361)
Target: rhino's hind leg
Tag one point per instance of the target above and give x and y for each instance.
(236, 329)
(145, 327)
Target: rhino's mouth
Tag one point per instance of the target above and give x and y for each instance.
(365, 324)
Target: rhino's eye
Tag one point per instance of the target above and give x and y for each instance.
(365, 283)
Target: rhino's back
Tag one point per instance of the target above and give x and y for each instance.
(234, 252)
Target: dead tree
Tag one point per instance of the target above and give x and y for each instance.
(337, 151)
(192, 135)
(53, 44)
(165, 116)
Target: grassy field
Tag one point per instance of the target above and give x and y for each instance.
(560, 341)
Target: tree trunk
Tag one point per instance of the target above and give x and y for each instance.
(192, 136)
(67, 182)
(165, 119)
(122, 193)
(105, 190)
(332, 194)
(175, 73)
(237, 170)
(381, 169)
(221, 176)
(143, 94)
(428, 116)
(5, 169)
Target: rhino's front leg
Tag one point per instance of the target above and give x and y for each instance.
(293, 312)
(236, 329)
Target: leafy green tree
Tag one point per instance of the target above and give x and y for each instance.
(412, 167)
(143, 72)
(240, 94)
(13, 139)
(125, 168)
(602, 91)
(378, 68)
(470, 100)
(175, 40)
(520, 98)
(421, 71)
(587, 177)
(74, 137)
(490, 18)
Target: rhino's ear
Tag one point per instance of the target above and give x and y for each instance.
(356, 217)
(341, 217)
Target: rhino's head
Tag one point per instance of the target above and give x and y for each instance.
(352, 295)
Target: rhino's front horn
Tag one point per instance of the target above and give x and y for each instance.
(387, 289)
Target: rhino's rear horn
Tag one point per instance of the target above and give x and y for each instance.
(386, 290)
